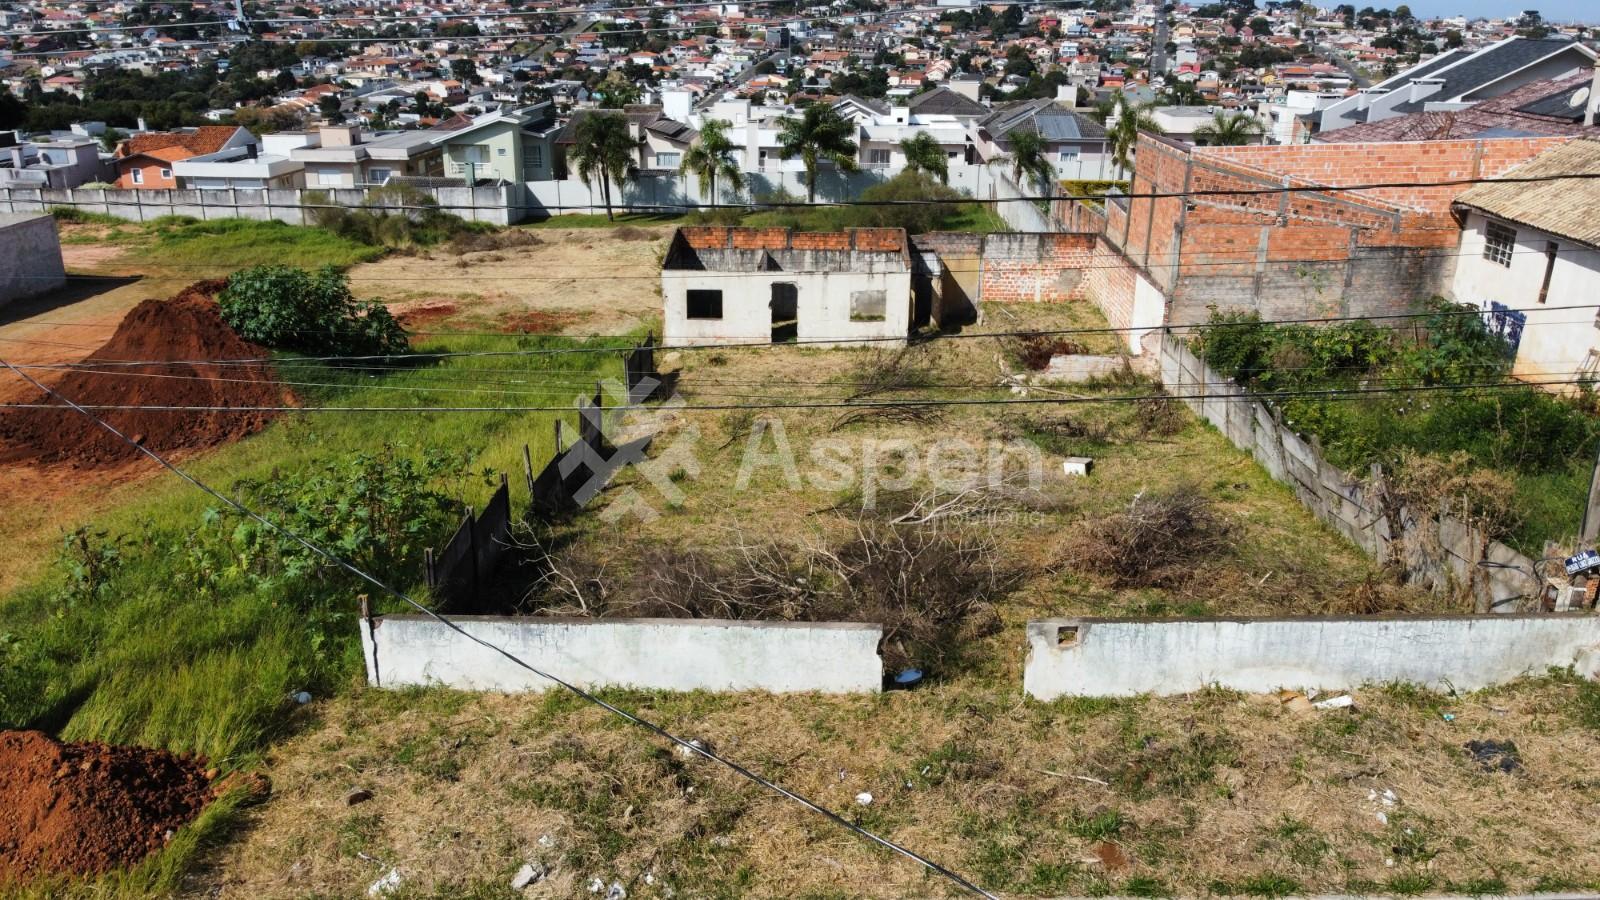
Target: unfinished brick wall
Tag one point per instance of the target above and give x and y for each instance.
(1019, 267)
(1108, 283)
(1301, 254)
(722, 237)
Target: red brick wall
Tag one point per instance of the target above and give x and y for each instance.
(1361, 251)
(1035, 267)
(720, 237)
(1109, 284)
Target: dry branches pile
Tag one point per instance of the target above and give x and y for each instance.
(928, 586)
(882, 371)
(1158, 541)
(1034, 351)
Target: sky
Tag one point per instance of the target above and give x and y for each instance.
(1553, 10)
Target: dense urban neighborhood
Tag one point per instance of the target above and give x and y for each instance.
(758, 449)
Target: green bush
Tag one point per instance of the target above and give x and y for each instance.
(311, 311)
(909, 185)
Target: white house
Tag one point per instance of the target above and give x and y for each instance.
(770, 285)
(1530, 249)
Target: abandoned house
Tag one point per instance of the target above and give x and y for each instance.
(769, 285)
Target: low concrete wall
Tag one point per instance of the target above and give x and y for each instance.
(653, 654)
(1121, 658)
(30, 257)
(487, 203)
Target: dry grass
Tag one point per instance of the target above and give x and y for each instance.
(1216, 791)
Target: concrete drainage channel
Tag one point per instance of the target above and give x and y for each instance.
(1067, 657)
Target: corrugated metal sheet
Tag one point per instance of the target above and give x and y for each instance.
(1566, 208)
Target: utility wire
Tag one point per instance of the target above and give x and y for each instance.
(1327, 393)
(1030, 333)
(515, 660)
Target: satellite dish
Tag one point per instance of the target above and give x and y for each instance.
(1579, 96)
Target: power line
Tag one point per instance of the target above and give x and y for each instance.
(556, 351)
(1328, 393)
(629, 717)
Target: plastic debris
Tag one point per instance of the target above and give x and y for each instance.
(302, 697)
(617, 892)
(530, 873)
(864, 798)
(1494, 756)
(386, 885)
(546, 841)
(687, 753)
(1449, 717)
(596, 885)
(907, 677)
(1343, 701)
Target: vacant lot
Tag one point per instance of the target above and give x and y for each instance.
(546, 280)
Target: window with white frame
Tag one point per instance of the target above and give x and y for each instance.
(666, 160)
(378, 176)
(166, 173)
(138, 176)
(1498, 244)
(328, 177)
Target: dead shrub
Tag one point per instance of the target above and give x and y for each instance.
(630, 233)
(882, 371)
(930, 587)
(1157, 417)
(1433, 485)
(1034, 351)
(484, 241)
(904, 414)
(1158, 541)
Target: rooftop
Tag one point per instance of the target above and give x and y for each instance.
(1564, 207)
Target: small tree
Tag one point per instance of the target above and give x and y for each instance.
(604, 150)
(712, 156)
(1029, 159)
(923, 154)
(292, 308)
(820, 133)
(1123, 134)
(1229, 129)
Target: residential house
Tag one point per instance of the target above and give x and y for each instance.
(1553, 106)
(61, 164)
(1529, 252)
(1459, 78)
(770, 285)
(1073, 142)
(341, 156)
(250, 167)
(509, 145)
(145, 161)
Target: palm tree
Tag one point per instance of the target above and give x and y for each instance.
(712, 155)
(1123, 133)
(1229, 129)
(923, 154)
(820, 133)
(604, 149)
(1029, 159)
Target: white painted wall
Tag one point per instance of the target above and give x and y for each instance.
(1149, 312)
(1122, 658)
(651, 654)
(823, 304)
(1555, 342)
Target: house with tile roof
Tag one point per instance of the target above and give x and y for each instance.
(145, 161)
(1555, 106)
(1074, 142)
(1529, 252)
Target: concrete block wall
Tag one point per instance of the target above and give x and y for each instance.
(497, 205)
(30, 257)
(648, 654)
(1441, 554)
(1127, 657)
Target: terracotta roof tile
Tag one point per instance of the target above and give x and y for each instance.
(203, 140)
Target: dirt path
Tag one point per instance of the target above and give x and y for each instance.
(572, 281)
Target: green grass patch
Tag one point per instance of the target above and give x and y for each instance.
(227, 244)
(76, 216)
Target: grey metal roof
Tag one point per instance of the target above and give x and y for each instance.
(1046, 118)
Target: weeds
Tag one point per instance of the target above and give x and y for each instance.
(1158, 541)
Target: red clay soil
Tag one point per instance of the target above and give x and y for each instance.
(87, 808)
(185, 328)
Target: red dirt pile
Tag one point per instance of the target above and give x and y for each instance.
(185, 328)
(87, 808)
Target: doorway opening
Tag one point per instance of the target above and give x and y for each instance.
(785, 307)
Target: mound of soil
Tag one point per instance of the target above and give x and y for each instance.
(185, 328)
(83, 809)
